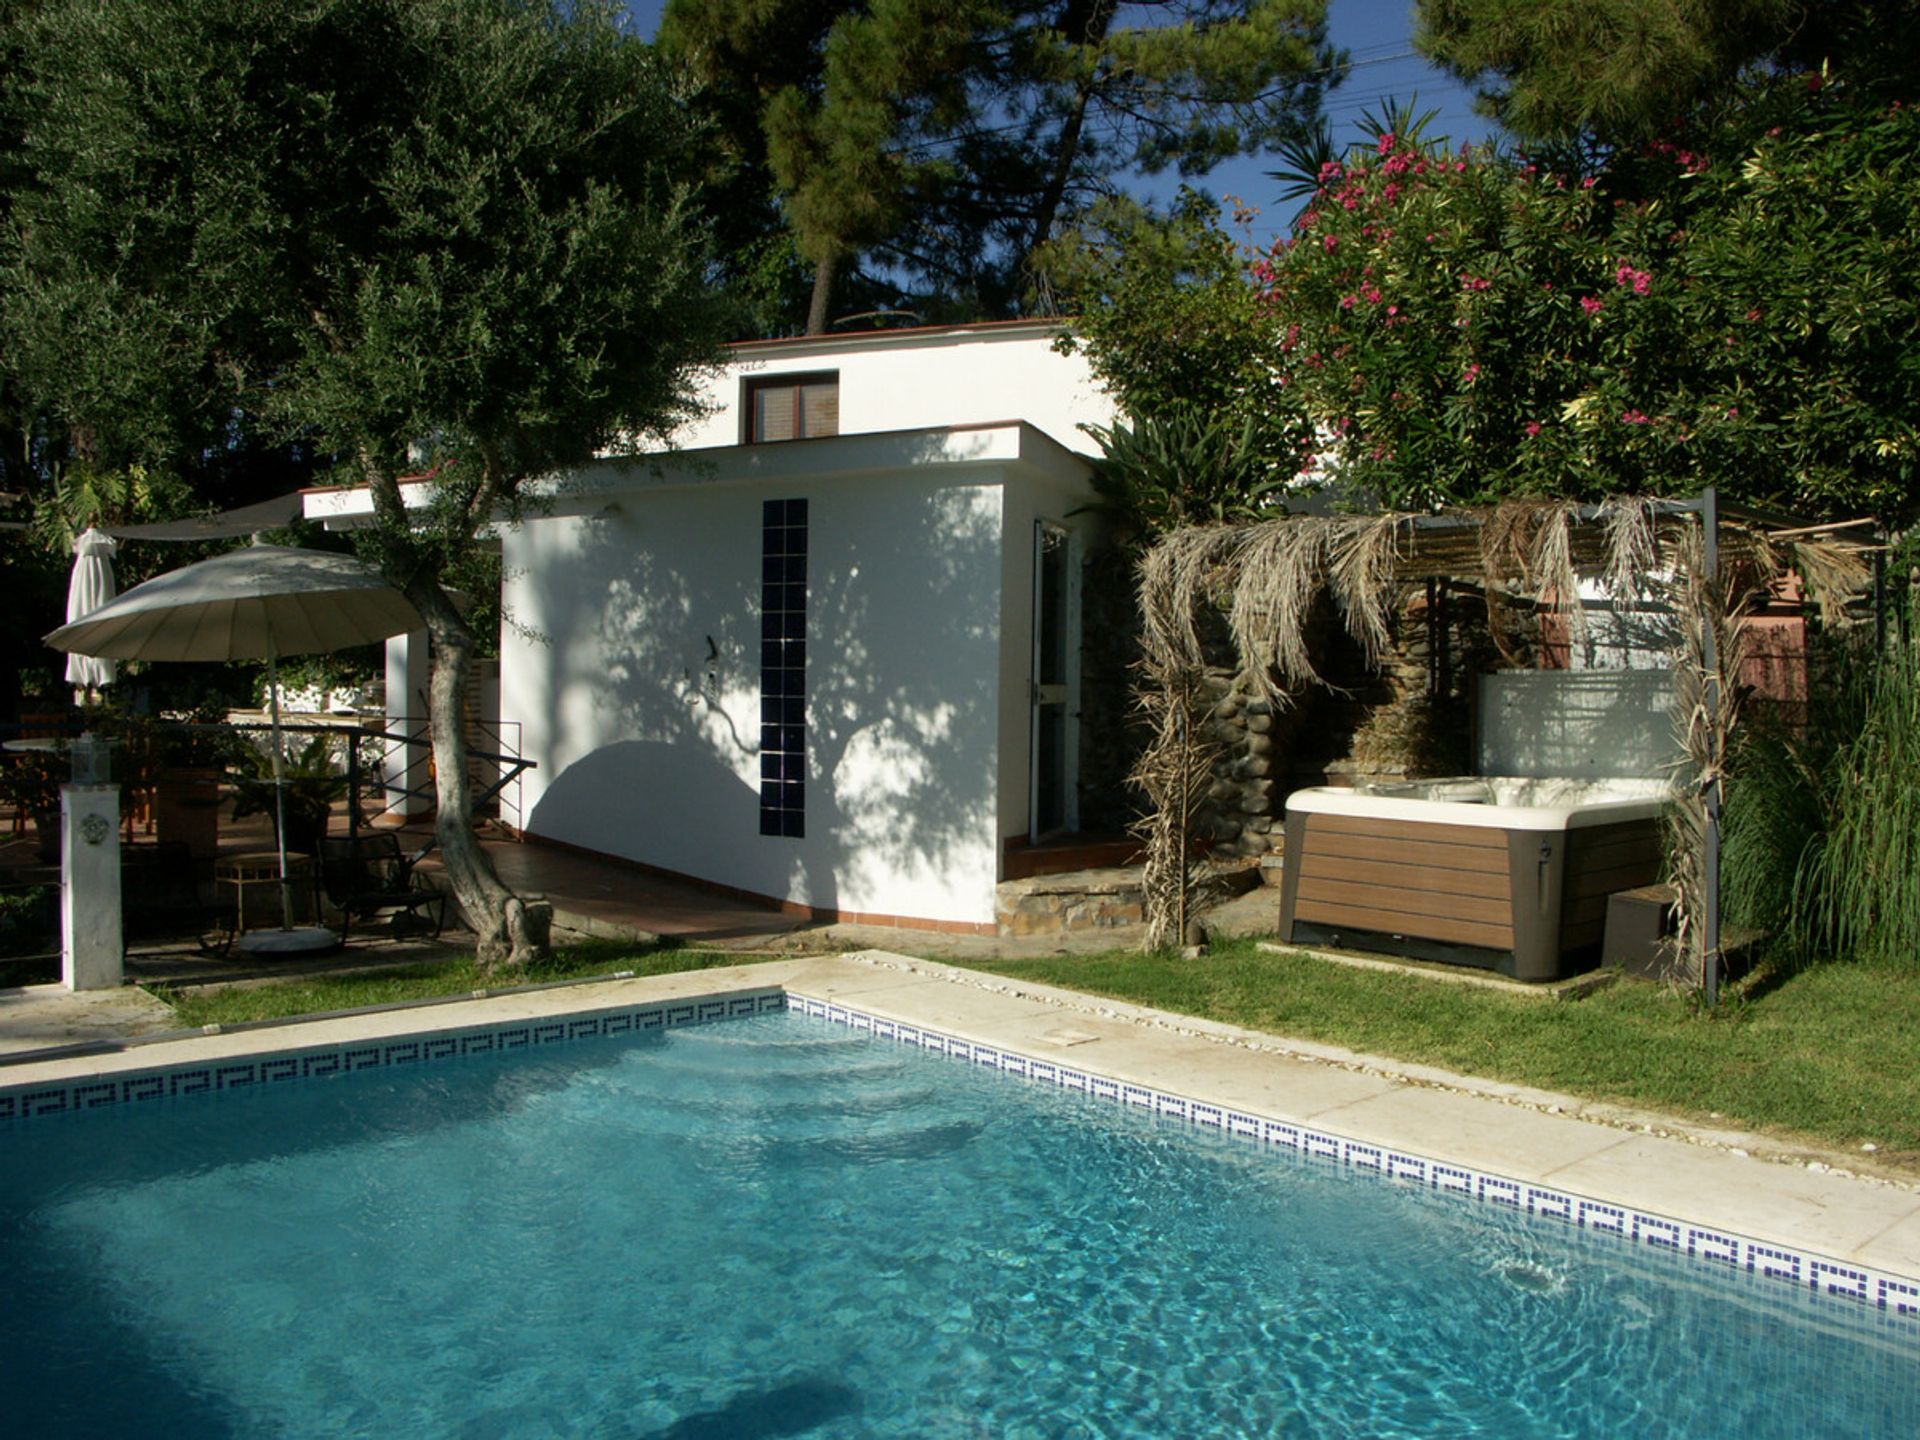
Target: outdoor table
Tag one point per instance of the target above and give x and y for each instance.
(252, 868)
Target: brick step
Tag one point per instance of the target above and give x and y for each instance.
(1075, 853)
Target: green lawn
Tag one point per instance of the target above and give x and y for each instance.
(458, 975)
(1829, 1054)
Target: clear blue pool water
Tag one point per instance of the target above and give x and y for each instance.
(776, 1227)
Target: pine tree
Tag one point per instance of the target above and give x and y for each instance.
(944, 141)
(1623, 70)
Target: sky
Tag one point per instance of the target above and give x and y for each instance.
(1377, 35)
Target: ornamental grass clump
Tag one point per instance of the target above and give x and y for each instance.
(1823, 822)
(1859, 896)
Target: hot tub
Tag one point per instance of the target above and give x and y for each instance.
(1507, 873)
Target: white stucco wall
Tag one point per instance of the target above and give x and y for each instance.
(921, 379)
(646, 738)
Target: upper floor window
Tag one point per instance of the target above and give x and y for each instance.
(793, 407)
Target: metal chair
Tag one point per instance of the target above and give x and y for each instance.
(366, 875)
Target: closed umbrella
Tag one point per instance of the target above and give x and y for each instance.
(259, 603)
(90, 587)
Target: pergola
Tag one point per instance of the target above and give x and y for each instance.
(1705, 562)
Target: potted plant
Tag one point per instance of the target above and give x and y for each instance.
(311, 784)
(182, 762)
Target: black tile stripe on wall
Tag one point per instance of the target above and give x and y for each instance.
(783, 668)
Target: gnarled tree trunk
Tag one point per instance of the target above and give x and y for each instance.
(509, 931)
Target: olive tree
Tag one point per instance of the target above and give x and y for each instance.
(441, 241)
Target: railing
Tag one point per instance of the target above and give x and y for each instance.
(405, 748)
(390, 764)
(30, 943)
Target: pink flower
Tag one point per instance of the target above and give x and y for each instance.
(1371, 294)
(1476, 282)
(1473, 373)
(1346, 302)
(1533, 428)
(1592, 305)
(1589, 182)
(1392, 310)
(1386, 143)
(1754, 314)
(1635, 417)
(1332, 242)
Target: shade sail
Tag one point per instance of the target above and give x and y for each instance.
(263, 602)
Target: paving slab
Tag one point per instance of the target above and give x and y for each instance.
(1787, 1204)
(1521, 1143)
(40, 1017)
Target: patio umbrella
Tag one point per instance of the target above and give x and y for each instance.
(90, 587)
(259, 603)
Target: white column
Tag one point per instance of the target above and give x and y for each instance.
(91, 946)
(406, 765)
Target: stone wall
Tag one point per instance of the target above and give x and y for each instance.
(1412, 715)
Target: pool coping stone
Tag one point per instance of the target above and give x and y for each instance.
(1522, 1146)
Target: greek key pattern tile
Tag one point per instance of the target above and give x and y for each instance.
(28, 1102)
(1895, 1296)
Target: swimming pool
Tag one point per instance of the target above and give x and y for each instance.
(779, 1226)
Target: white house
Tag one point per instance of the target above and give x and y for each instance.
(825, 650)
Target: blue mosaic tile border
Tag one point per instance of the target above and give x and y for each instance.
(32, 1102)
(1897, 1297)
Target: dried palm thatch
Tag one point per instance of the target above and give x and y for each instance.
(1708, 692)
(1177, 577)
(1174, 772)
(1269, 576)
(1274, 577)
(1705, 706)
(1364, 558)
(1633, 544)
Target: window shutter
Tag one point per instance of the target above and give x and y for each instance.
(792, 407)
(820, 408)
(773, 412)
